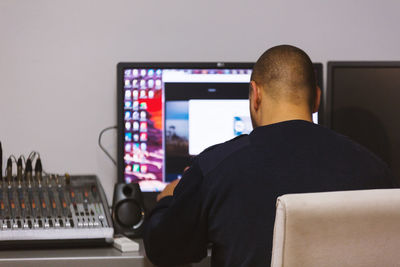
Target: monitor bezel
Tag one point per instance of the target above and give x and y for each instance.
(328, 96)
(150, 196)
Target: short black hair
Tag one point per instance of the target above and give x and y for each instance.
(286, 70)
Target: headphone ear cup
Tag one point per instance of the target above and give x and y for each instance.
(128, 210)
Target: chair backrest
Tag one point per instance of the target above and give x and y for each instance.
(347, 228)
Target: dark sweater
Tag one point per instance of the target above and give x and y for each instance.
(228, 195)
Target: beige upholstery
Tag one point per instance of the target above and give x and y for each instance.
(338, 229)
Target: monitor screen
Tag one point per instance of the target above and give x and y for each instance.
(363, 105)
(170, 112)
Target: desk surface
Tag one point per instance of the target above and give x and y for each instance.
(85, 257)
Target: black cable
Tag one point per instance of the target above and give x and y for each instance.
(33, 154)
(11, 158)
(23, 158)
(101, 146)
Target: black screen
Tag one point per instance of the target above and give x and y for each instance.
(365, 107)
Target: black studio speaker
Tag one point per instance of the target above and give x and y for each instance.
(128, 210)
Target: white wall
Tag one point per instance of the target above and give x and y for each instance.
(58, 58)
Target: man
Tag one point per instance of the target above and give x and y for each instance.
(227, 197)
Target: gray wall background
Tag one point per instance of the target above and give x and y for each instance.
(58, 58)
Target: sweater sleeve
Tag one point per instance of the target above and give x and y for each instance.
(176, 230)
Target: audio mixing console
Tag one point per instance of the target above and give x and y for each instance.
(52, 210)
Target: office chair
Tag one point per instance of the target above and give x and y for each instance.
(347, 228)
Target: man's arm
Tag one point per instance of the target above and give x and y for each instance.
(176, 230)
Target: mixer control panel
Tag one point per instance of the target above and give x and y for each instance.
(53, 207)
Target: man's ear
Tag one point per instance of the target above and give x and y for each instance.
(317, 99)
(255, 95)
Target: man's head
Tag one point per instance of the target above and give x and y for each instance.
(283, 86)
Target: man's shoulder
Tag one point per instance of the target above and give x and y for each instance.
(353, 152)
(350, 144)
(211, 157)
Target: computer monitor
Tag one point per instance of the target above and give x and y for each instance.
(362, 103)
(170, 112)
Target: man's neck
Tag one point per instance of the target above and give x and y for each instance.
(279, 113)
